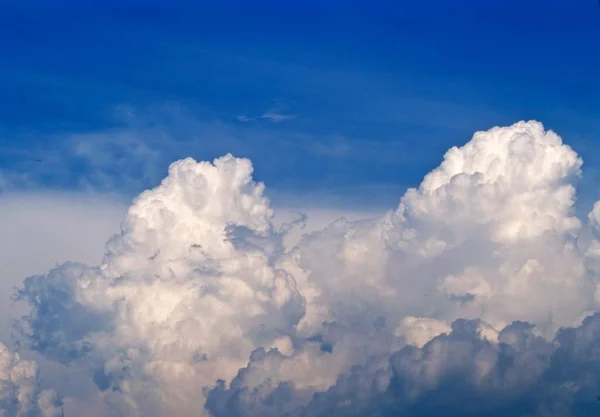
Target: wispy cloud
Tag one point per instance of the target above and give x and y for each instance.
(134, 154)
(244, 118)
(275, 114)
(270, 115)
(276, 117)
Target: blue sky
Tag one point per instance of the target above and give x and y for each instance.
(340, 105)
(345, 102)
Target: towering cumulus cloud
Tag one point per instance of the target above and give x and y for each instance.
(452, 303)
(183, 296)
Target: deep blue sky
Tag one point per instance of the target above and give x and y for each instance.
(107, 93)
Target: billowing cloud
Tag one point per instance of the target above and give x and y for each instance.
(450, 302)
(41, 230)
(455, 374)
(20, 394)
(194, 258)
(492, 227)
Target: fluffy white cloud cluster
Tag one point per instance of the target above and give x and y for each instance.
(198, 300)
(183, 296)
(20, 394)
(490, 234)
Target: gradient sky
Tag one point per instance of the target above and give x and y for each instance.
(340, 105)
(329, 99)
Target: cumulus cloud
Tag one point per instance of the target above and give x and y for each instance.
(491, 227)
(42, 230)
(460, 373)
(194, 258)
(452, 301)
(418, 331)
(20, 395)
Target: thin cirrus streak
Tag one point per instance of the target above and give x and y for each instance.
(459, 301)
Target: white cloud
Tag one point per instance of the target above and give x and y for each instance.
(419, 330)
(492, 227)
(203, 280)
(185, 274)
(276, 117)
(20, 395)
(270, 115)
(42, 230)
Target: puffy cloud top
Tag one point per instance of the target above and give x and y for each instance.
(198, 309)
(177, 303)
(515, 179)
(491, 233)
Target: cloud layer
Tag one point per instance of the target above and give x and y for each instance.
(449, 303)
